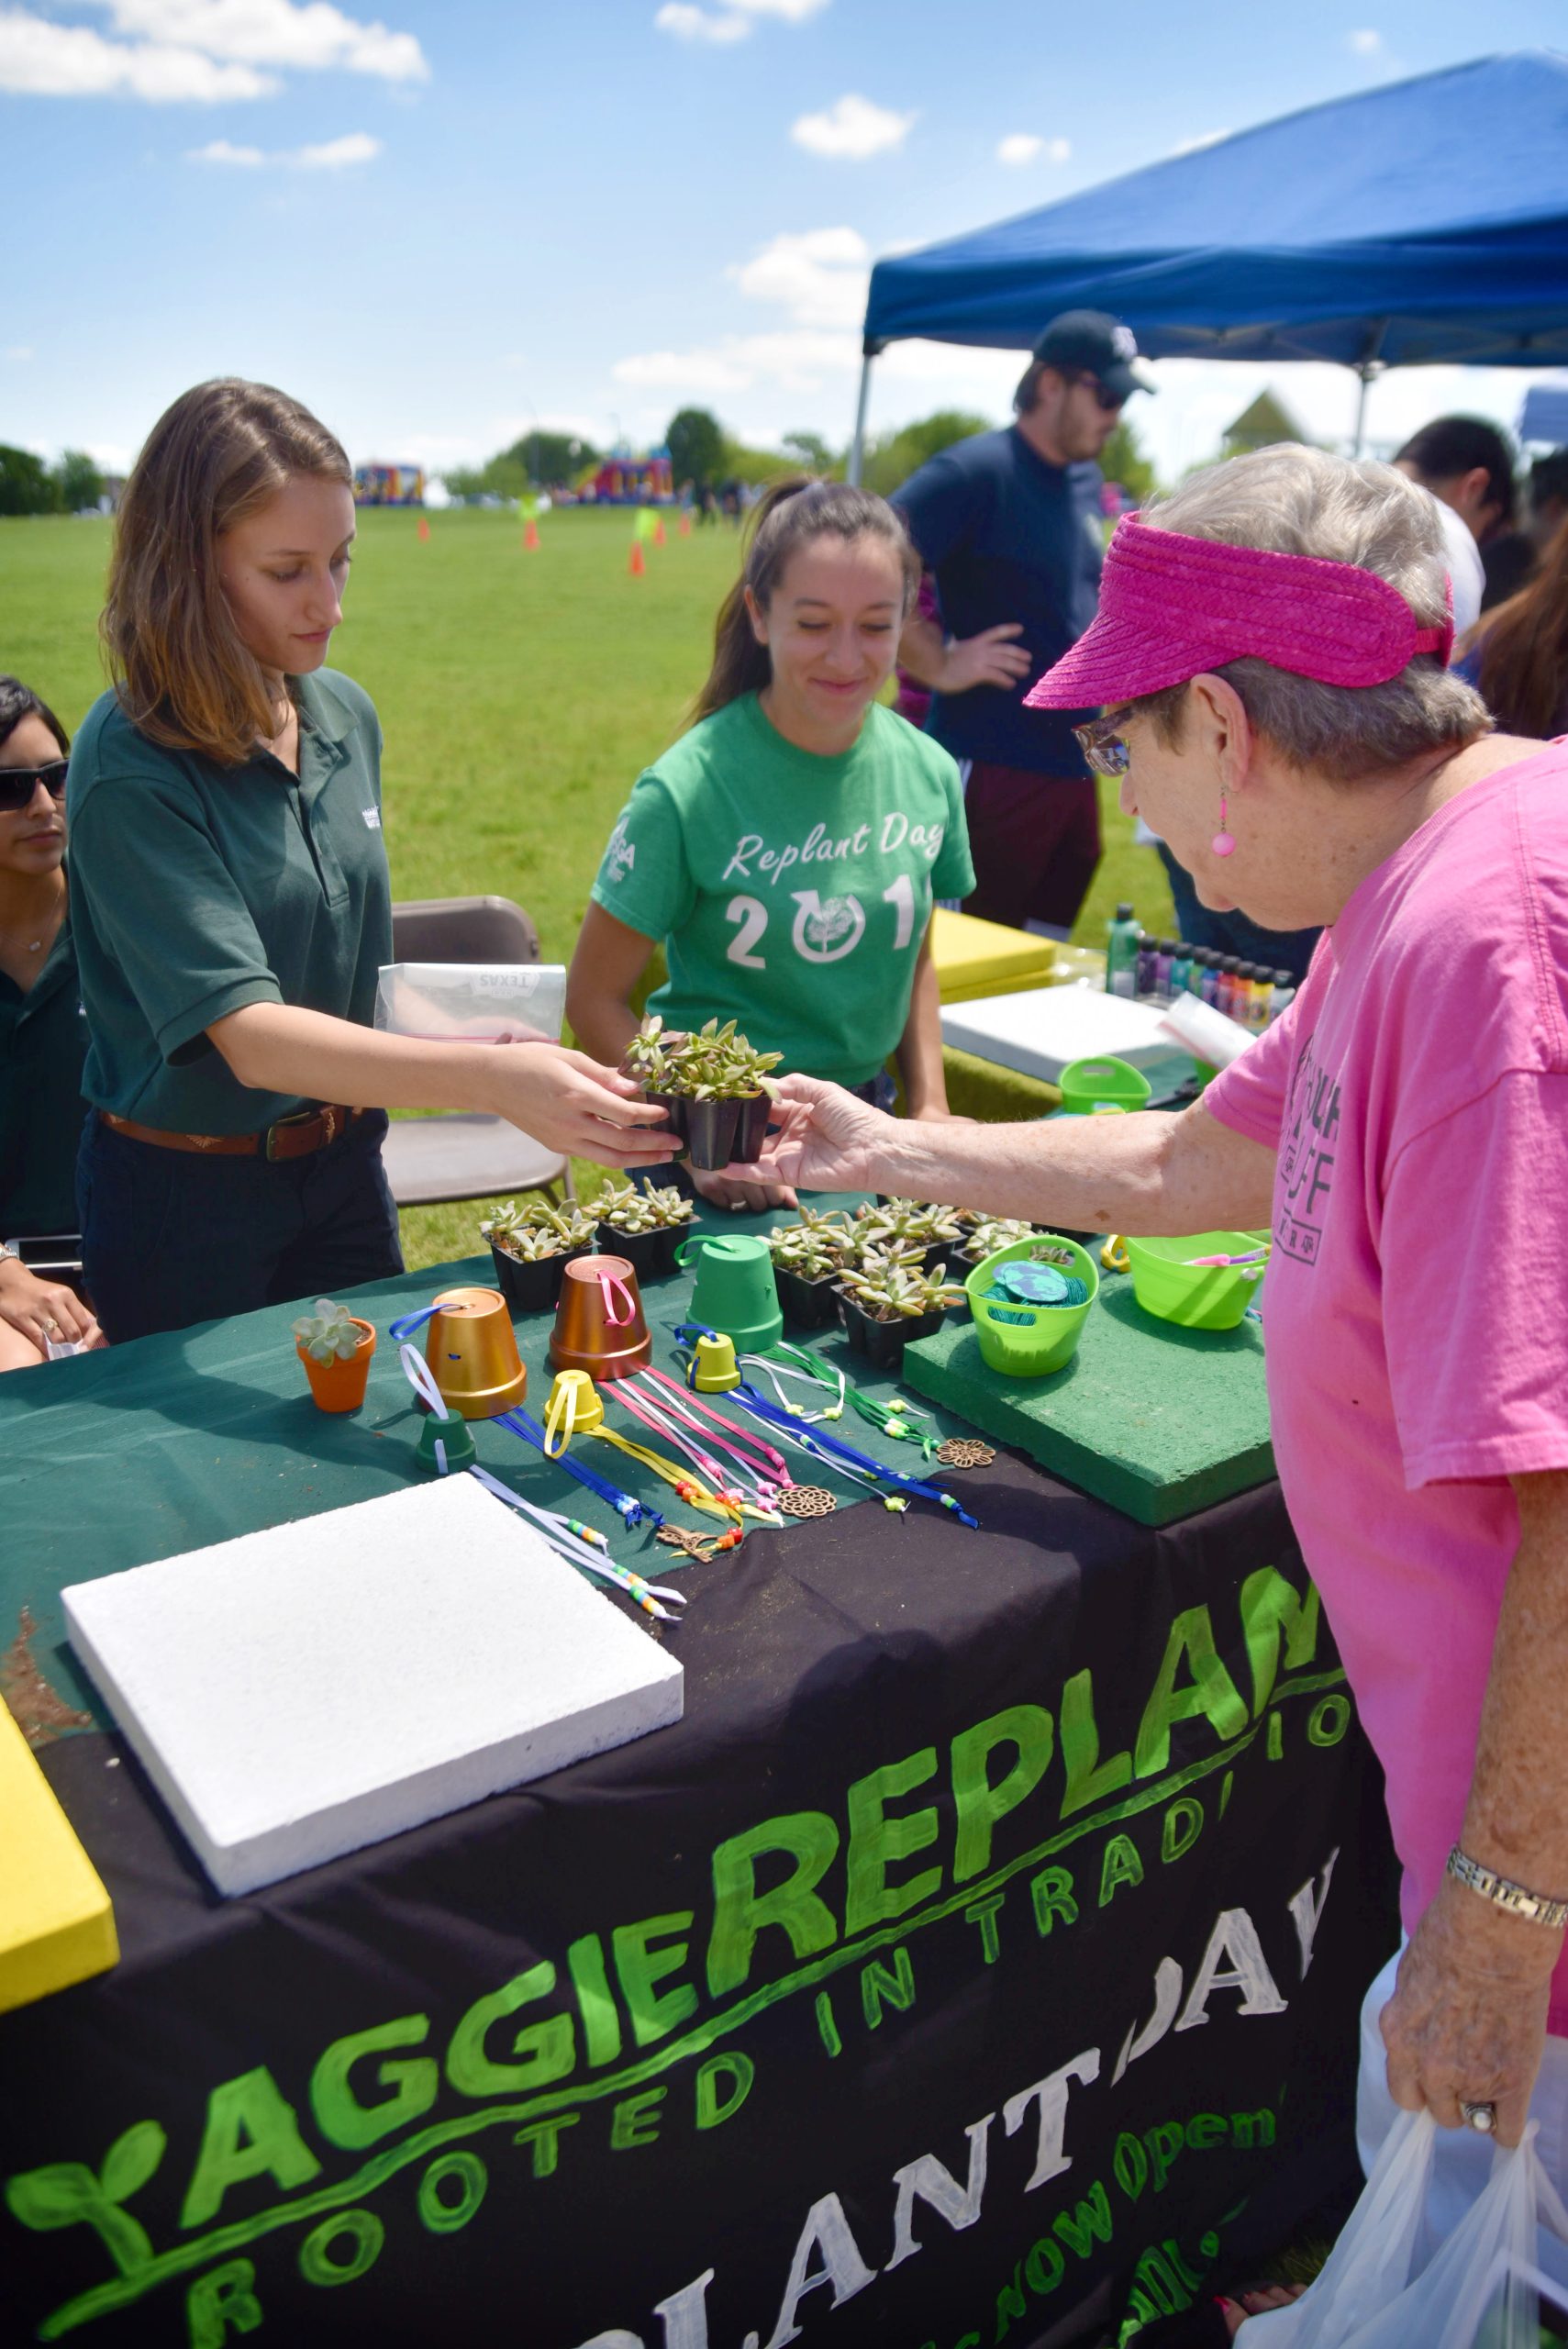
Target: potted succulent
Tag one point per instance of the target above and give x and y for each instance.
(531, 1246)
(644, 1225)
(808, 1258)
(713, 1087)
(985, 1234)
(909, 1226)
(884, 1301)
(335, 1347)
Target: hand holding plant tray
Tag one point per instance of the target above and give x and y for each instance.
(714, 1088)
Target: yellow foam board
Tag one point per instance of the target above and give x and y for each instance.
(977, 958)
(56, 1922)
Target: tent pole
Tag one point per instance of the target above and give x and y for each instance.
(857, 446)
(1366, 372)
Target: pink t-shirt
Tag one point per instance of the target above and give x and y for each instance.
(1416, 1309)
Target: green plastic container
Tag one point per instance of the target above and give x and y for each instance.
(1043, 1337)
(1192, 1295)
(1094, 1086)
(734, 1292)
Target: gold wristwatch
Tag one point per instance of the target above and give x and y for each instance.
(1514, 1897)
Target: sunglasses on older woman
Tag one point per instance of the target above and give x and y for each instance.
(1105, 749)
(17, 785)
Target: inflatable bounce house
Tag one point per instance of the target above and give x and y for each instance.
(625, 480)
(389, 485)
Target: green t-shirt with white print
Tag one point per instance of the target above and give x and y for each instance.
(791, 892)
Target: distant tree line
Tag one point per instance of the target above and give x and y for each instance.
(72, 484)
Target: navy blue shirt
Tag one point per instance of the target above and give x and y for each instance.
(1009, 537)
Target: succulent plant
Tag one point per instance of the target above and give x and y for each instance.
(710, 1064)
(652, 1209)
(328, 1334)
(891, 1289)
(992, 1232)
(811, 1256)
(539, 1227)
(907, 1223)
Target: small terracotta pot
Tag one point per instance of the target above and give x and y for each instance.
(341, 1385)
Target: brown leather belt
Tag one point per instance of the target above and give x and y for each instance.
(293, 1137)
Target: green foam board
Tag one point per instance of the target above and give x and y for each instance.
(1156, 1420)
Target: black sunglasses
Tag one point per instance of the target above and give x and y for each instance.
(1109, 402)
(17, 785)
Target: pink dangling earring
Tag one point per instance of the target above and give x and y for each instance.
(1222, 844)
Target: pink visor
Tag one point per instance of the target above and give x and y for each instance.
(1172, 606)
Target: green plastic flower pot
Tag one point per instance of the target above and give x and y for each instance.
(1192, 1295)
(1094, 1086)
(735, 1292)
(1024, 1340)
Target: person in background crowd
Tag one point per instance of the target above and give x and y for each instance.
(1466, 462)
(231, 903)
(42, 1035)
(1009, 525)
(787, 850)
(1517, 656)
(1310, 756)
(1548, 497)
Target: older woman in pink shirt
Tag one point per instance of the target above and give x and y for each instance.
(1272, 649)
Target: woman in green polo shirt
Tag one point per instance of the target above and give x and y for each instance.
(231, 902)
(788, 850)
(43, 1034)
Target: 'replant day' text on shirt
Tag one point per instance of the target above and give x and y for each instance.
(791, 892)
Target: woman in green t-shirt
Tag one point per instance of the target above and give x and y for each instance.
(231, 903)
(787, 850)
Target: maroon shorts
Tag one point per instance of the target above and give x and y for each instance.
(1035, 840)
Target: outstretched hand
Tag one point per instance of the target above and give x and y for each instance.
(829, 1141)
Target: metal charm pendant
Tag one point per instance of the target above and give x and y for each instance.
(685, 1539)
(964, 1451)
(806, 1500)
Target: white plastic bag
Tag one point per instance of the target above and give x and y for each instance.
(1367, 2297)
(483, 1003)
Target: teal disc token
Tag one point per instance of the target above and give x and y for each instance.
(1031, 1284)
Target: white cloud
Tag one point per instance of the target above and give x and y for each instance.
(687, 23)
(20, 352)
(335, 155)
(1022, 147)
(1363, 44)
(1199, 139)
(794, 359)
(851, 130)
(42, 59)
(272, 32)
(819, 277)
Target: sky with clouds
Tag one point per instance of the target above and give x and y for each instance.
(440, 225)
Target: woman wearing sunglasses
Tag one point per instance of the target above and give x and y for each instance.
(1272, 652)
(43, 1034)
(232, 906)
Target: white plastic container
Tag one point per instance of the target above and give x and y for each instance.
(482, 1002)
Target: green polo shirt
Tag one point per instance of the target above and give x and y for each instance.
(43, 1038)
(198, 888)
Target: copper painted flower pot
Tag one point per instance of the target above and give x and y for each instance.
(472, 1352)
(599, 1326)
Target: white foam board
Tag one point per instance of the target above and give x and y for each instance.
(296, 1694)
(1039, 1032)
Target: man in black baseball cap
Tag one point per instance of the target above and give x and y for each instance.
(1009, 526)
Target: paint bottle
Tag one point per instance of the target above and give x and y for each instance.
(1210, 961)
(1230, 981)
(1262, 995)
(1164, 956)
(1243, 995)
(1181, 969)
(1284, 994)
(1122, 941)
(1194, 973)
(1148, 980)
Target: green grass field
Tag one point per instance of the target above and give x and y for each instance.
(520, 694)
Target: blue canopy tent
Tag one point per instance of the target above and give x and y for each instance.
(1425, 221)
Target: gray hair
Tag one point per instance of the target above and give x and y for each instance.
(1295, 500)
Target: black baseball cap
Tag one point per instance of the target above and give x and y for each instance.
(1089, 342)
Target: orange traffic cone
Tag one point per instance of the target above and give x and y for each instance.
(636, 566)
(530, 535)
(684, 523)
(659, 532)
(424, 529)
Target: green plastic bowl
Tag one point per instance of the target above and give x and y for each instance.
(1093, 1087)
(1043, 1337)
(1195, 1296)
